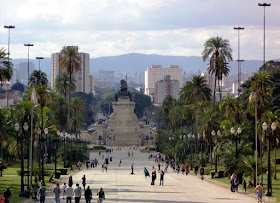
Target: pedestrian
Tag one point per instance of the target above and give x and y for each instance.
(70, 181)
(259, 190)
(183, 169)
(35, 187)
(84, 181)
(187, 169)
(146, 172)
(88, 195)
(202, 173)
(161, 177)
(158, 167)
(195, 170)
(101, 195)
(132, 172)
(154, 175)
(244, 185)
(95, 162)
(102, 168)
(120, 163)
(64, 190)
(69, 193)
(236, 184)
(42, 193)
(80, 165)
(57, 192)
(232, 183)
(7, 195)
(77, 193)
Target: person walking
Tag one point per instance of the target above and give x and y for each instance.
(84, 181)
(42, 193)
(146, 172)
(120, 163)
(202, 173)
(244, 185)
(57, 192)
(88, 195)
(161, 177)
(64, 190)
(101, 195)
(132, 171)
(70, 181)
(259, 190)
(69, 193)
(35, 187)
(77, 193)
(159, 167)
(7, 195)
(236, 184)
(154, 175)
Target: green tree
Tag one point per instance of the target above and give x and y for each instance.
(70, 62)
(62, 84)
(78, 114)
(219, 51)
(37, 78)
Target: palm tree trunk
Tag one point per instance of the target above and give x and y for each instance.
(214, 91)
(68, 113)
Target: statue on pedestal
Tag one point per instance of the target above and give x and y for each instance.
(123, 91)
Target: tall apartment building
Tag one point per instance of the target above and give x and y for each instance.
(21, 72)
(91, 84)
(139, 77)
(156, 73)
(81, 77)
(210, 80)
(166, 87)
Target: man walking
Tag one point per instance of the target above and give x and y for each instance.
(57, 192)
(42, 193)
(202, 173)
(132, 169)
(7, 195)
(259, 190)
(161, 177)
(78, 193)
(154, 175)
(69, 193)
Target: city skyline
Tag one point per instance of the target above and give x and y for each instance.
(102, 28)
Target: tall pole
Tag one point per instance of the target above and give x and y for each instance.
(269, 184)
(28, 45)
(39, 58)
(8, 27)
(264, 5)
(239, 65)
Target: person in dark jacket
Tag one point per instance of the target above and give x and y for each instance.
(88, 195)
(101, 195)
(202, 173)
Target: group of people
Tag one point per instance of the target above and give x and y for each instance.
(154, 175)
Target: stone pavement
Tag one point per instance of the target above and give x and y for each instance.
(120, 186)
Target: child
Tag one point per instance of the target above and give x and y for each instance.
(64, 189)
(244, 185)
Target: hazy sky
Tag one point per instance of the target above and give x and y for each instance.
(114, 27)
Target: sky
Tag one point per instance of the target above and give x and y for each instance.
(115, 27)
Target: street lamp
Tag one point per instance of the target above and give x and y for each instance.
(71, 143)
(39, 58)
(235, 137)
(191, 141)
(64, 156)
(264, 5)
(239, 61)
(269, 137)
(43, 152)
(28, 45)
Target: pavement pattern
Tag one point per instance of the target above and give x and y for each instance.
(120, 186)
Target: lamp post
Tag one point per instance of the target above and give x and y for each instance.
(264, 5)
(21, 194)
(71, 143)
(28, 45)
(39, 58)
(56, 142)
(239, 61)
(191, 141)
(235, 137)
(43, 152)
(269, 137)
(201, 140)
(64, 154)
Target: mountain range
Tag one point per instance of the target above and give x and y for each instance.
(133, 62)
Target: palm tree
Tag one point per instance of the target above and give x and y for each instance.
(70, 62)
(59, 112)
(37, 78)
(219, 51)
(77, 106)
(62, 84)
(175, 117)
(195, 91)
(6, 70)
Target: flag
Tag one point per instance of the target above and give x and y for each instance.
(34, 97)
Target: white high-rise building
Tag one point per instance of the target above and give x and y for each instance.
(81, 77)
(156, 73)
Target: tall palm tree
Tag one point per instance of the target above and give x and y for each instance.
(70, 62)
(195, 91)
(62, 84)
(37, 78)
(77, 106)
(6, 70)
(219, 51)
(59, 112)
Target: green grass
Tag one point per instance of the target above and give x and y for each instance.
(13, 182)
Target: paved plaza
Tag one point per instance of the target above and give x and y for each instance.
(120, 186)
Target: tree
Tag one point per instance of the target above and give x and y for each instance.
(195, 90)
(37, 78)
(77, 118)
(219, 51)
(58, 112)
(62, 84)
(70, 62)
(232, 108)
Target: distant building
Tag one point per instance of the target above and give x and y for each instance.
(21, 72)
(81, 77)
(91, 84)
(156, 73)
(103, 84)
(139, 77)
(166, 87)
(104, 75)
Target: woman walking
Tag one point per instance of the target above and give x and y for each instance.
(101, 195)
(88, 195)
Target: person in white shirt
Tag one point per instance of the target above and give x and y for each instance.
(78, 193)
(69, 192)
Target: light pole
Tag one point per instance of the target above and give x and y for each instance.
(28, 45)
(235, 137)
(264, 5)
(238, 60)
(191, 141)
(64, 154)
(269, 137)
(39, 58)
(56, 142)
(43, 152)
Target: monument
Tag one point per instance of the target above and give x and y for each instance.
(123, 126)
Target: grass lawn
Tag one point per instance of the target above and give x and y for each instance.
(13, 182)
